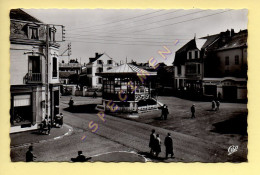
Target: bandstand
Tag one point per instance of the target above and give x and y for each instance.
(129, 89)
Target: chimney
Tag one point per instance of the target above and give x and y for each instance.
(227, 33)
(96, 55)
(232, 32)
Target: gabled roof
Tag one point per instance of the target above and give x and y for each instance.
(238, 40)
(181, 54)
(127, 69)
(19, 14)
(91, 60)
(210, 39)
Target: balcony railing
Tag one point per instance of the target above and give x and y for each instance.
(34, 77)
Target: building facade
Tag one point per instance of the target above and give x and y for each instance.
(98, 64)
(66, 70)
(214, 66)
(31, 81)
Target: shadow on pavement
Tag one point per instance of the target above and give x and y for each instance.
(87, 108)
(236, 125)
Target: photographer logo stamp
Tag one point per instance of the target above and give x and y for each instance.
(232, 149)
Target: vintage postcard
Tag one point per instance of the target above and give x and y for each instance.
(128, 85)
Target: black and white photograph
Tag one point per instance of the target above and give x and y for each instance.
(128, 85)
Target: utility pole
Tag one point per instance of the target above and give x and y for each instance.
(46, 72)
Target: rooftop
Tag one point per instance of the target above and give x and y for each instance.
(19, 14)
(127, 69)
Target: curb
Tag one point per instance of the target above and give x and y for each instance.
(47, 140)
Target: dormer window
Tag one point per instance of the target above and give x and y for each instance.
(196, 54)
(109, 61)
(190, 55)
(33, 31)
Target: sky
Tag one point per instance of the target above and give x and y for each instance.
(136, 34)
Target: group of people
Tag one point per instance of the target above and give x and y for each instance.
(165, 112)
(215, 105)
(45, 126)
(155, 144)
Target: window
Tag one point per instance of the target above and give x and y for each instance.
(227, 60)
(33, 33)
(190, 68)
(179, 69)
(236, 59)
(196, 54)
(109, 61)
(190, 55)
(34, 68)
(54, 67)
(198, 68)
(89, 70)
(100, 80)
(99, 69)
(109, 68)
(99, 62)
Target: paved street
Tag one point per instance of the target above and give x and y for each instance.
(118, 138)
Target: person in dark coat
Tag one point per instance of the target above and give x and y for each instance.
(95, 94)
(165, 112)
(71, 103)
(80, 158)
(192, 111)
(29, 155)
(152, 141)
(213, 105)
(217, 104)
(157, 145)
(168, 145)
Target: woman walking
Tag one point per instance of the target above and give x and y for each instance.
(157, 145)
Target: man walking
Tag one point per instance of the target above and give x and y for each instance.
(152, 141)
(157, 145)
(192, 111)
(168, 145)
(165, 112)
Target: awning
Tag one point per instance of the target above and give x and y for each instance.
(22, 100)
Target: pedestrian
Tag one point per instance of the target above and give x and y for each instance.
(166, 112)
(49, 128)
(95, 94)
(157, 145)
(79, 158)
(218, 104)
(71, 102)
(168, 145)
(192, 111)
(29, 155)
(213, 105)
(61, 120)
(152, 142)
(219, 95)
(163, 111)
